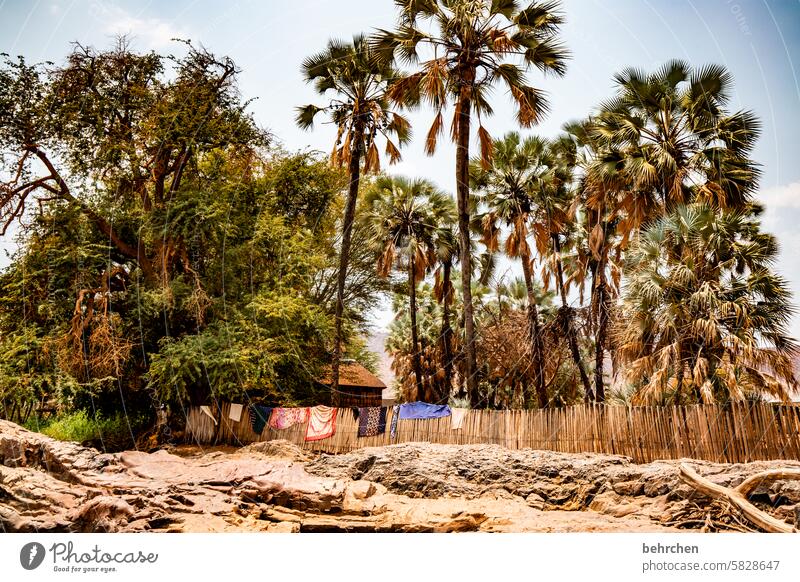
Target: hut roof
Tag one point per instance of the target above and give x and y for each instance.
(353, 374)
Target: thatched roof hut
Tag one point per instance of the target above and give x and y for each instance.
(357, 385)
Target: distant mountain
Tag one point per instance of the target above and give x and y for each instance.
(376, 343)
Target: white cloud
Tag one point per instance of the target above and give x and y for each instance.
(149, 32)
(787, 196)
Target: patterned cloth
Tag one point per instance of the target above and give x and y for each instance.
(321, 423)
(235, 413)
(395, 418)
(423, 410)
(283, 418)
(371, 421)
(259, 415)
(457, 420)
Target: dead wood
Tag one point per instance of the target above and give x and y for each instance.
(738, 500)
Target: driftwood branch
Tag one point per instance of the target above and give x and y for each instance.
(737, 497)
(750, 484)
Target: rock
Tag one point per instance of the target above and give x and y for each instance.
(535, 501)
(278, 448)
(47, 485)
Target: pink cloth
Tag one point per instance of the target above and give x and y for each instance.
(321, 423)
(283, 418)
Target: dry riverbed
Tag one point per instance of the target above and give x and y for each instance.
(52, 486)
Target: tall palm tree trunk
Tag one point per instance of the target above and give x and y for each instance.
(462, 194)
(344, 254)
(571, 333)
(537, 346)
(415, 357)
(447, 331)
(601, 301)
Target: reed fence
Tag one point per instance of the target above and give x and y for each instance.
(732, 433)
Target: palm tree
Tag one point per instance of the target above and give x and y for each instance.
(404, 218)
(554, 216)
(671, 136)
(665, 139)
(443, 290)
(704, 317)
(508, 186)
(597, 246)
(469, 44)
(360, 110)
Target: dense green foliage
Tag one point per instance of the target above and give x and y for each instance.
(133, 288)
(171, 254)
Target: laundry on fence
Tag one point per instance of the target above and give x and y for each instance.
(423, 410)
(207, 411)
(457, 419)
(235, 413)
(321, 423)
(395, 418)
(259, 415)
(371, 421)
(283, 418)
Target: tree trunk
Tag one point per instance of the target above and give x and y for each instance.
(415, 356)
(572, 335)
(447, 332)
(602, 331)
(344, 253)
(537, 346)
(462, 194)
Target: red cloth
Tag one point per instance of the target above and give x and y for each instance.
(321, 423)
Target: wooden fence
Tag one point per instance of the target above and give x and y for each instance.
(731, 433)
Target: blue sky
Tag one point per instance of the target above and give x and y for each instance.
(758, 40)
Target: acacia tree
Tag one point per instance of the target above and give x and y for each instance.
(111, 117)
(466, 53)
(360, 110)
(110, 136)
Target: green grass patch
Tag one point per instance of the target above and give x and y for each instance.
(112, 433)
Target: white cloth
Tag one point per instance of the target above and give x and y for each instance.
(457, 416)
(207, 411)
(235, 413)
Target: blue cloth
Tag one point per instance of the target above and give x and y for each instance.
(423, 410)
(259, 416)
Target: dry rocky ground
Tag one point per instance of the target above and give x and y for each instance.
(52, 486)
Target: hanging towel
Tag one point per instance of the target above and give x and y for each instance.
(321, 423)
(423, 410)
(457, 420)
(259, 415)
(395, 418)
(283, 418)
(371, 421)
(235, 413)
(207, 411)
